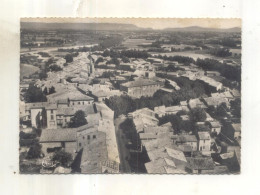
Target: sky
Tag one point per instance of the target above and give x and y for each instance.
(155, 23)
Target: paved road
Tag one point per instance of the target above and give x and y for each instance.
(123, 151)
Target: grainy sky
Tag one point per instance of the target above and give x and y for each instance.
(155, 23)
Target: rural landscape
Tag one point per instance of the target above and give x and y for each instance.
(121, 98)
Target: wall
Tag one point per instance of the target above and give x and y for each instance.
(45, 146)
(35, 113)
(51, 123)
(80, 102)
(206, 145)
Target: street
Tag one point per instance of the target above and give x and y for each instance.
(121, 142)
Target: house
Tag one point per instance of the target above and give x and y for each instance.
(217, 86)
(36, 112)
(237, 130)
(204, 142)
(232, 159)
(212, 73)
(196, 103)
(80, 99)
(227, 95)
(56, 139)
(200, 165)
(140, 87)
(187, 140)
(166, 160)
(143, 118)
(51, 113)
(216, 101)
(160, 111)
(154, 132)
(215, 127)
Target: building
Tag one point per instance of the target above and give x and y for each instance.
(167, 159)
(196, 103)
(57, 139)
(204, 142)
(200, 165)
(80, 100)
(216, 101)
(187, 140)
(140, 87)
(237, 130)
(215, 127)
(143, 118)
(212, 73)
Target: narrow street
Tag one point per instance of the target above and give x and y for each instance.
(121, 142)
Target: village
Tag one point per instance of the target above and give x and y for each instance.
(134, 102)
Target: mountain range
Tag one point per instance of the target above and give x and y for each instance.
(114, 27)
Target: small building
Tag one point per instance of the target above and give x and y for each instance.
(237, 130)
(200, 165)
(189, 140)
(140, 87)
(212, 73)
(57, 139)
(196, 103)
(204, 142)
(215, 127)
(80, 100)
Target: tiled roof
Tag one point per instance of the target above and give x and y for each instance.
(58, 135)
(200, 163)
(186, 138)
(176, 154)
(204, 135)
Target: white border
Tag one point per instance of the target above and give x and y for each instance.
(12, 10)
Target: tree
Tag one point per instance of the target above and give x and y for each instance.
(114, 61)
(100, 59)
(69, 58)
(34, 94)
(78, 119)
(125, 59)
(236, 107)
(43, 75)
(198, 115)
(34, 151)
(55, 68)
(64, 158)
(52, 90)
(45, 91)
(106, 53)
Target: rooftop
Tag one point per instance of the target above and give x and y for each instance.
(204, 135)
(186, 138)
(58, 135)
(200, 163)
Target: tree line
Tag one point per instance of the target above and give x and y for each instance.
(124, 104)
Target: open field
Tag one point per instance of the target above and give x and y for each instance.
(27, 70)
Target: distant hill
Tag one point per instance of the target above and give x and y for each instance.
(202, 29)
(80, 26)
(114, 27)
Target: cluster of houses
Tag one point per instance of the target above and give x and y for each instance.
(186, 152)
(95, 143)
(80, 86)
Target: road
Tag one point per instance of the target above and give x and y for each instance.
(121, 142)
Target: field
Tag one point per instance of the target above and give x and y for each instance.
(190, 54)
(27, 70)
(133, 43)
